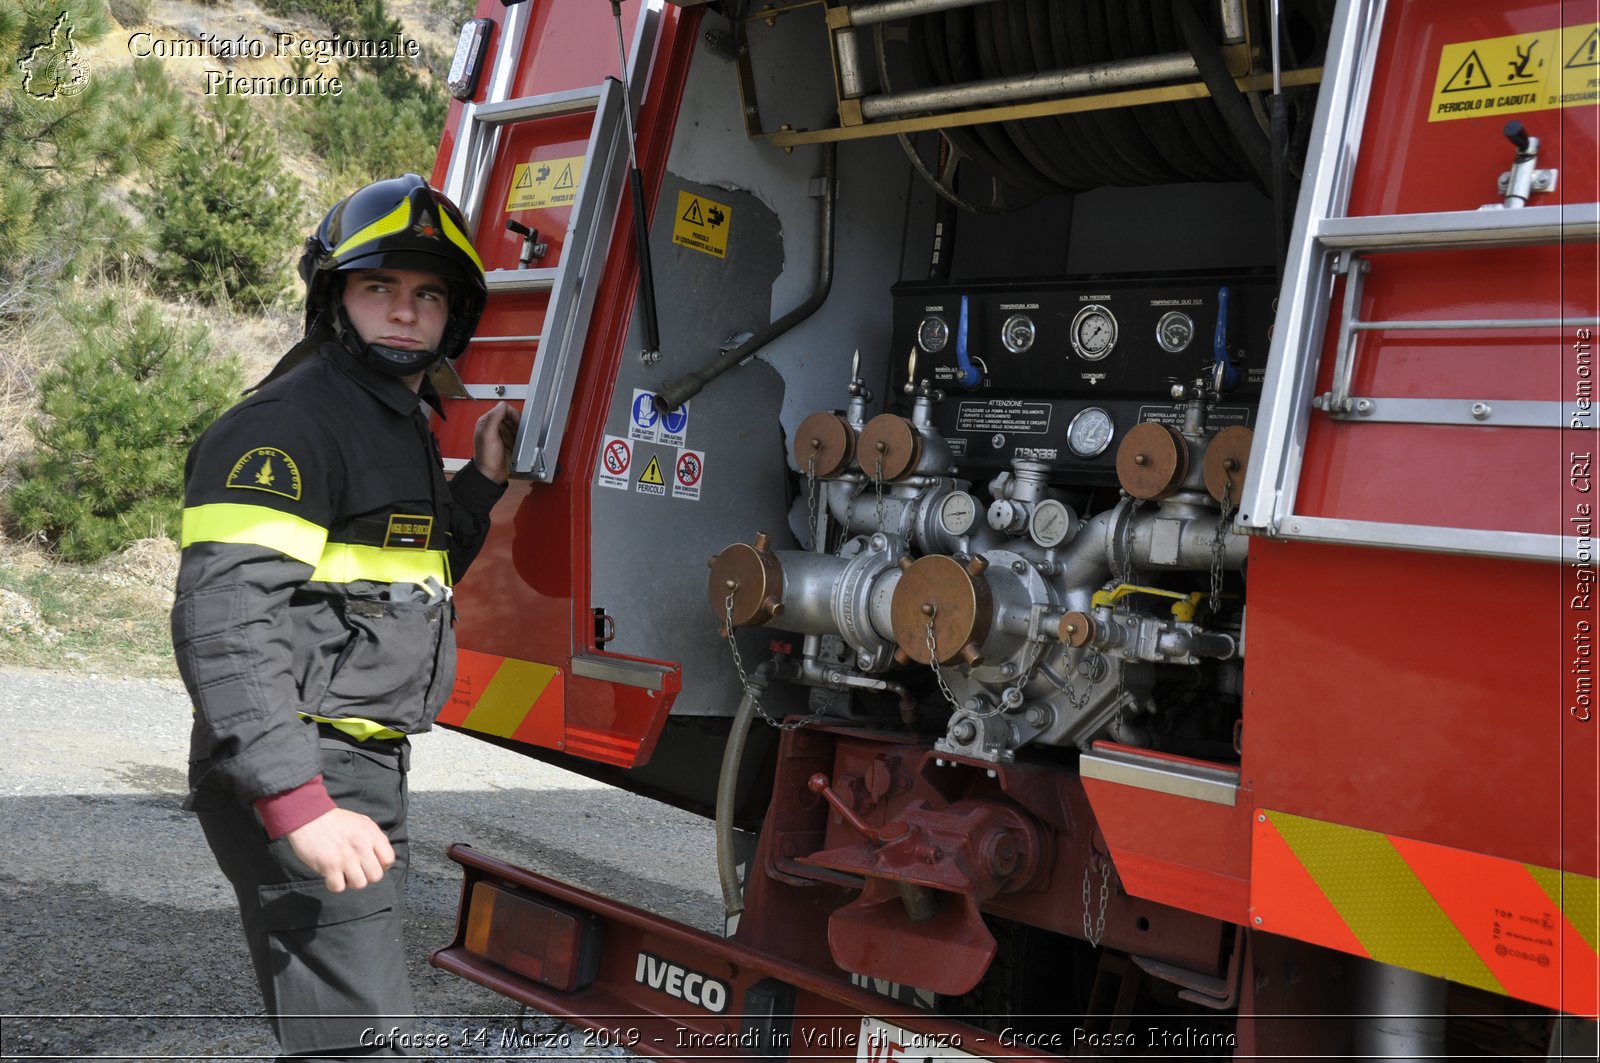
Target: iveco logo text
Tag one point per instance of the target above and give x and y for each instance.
(690, 986)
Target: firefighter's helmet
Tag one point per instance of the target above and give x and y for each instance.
(401, 223)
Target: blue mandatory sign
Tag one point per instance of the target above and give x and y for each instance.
(675, 421)
(644, 410)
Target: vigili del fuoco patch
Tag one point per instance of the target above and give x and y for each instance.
(267, 469)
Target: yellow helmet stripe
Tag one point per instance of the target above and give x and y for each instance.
(459, 238)
(233, 522)
(392, 222)
(349, 562)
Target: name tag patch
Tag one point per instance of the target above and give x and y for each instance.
(408, 531)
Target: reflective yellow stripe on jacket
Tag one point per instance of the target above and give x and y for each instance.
(347, 563)
(231, 522)
(356, 727)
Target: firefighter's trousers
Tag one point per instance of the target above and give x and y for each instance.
(331, 966)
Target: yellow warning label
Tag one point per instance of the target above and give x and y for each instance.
(702, 224)
(545, 183)
(652, 473)
(1559, 67)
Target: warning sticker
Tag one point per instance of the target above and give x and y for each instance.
(1004, 415)
(674, 427)
(651, 481)
(1559, 67)
(702, 224)
(687, 473)
(545, 183)
(615, 458)
(642, 416)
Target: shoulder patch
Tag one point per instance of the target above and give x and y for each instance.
(267, 469)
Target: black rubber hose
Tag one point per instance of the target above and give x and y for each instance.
(1231, 104)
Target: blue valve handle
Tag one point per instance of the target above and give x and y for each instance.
(1219, 343)
(970, 377)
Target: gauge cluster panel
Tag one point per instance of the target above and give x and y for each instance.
(1063, 369)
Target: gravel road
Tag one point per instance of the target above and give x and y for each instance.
(120, 938)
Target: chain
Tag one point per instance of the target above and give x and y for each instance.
(878, 483)
(1125, 547)
(744, 679)
(1219, 547)
(1097, 931)
(811, 498)
(933, 659)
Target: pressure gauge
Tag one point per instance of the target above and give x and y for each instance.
(1018, 333)
(933, 334)
(1051, 524)
(1090, 432)
(1175, 331)
(958, 512)
(1094, 332)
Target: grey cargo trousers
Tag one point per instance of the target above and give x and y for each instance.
(331, 966)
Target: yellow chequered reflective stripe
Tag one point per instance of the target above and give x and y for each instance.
(1516, 928)
(1578, 897)
(392, 222)
(356, 727)
(348, 562)
(233, 522)
(509, 697)
(458, 238)
(1382, 900)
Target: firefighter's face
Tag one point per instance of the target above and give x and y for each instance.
(402, 308)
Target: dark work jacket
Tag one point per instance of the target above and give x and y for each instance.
(320, 540)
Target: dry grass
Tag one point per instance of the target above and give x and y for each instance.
(108, 618)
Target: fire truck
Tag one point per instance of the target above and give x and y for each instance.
(1094, 499)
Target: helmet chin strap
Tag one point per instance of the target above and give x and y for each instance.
(390, 361)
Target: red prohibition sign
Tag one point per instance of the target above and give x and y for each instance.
(689, 470)
(617, 457)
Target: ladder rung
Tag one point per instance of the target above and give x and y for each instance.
(1576, 222)
(520, 280)
(550, 105)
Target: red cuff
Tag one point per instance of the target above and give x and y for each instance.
(282, 813)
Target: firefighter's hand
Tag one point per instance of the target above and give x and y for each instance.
(492, 441)
(344, 847)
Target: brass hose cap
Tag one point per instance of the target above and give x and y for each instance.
(1152, 461)
(889, 449)
(955, 597)
(754, 576)
(824, 445)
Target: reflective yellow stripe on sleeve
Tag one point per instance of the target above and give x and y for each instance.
(356, 727)
(234, 522)
(348, 562)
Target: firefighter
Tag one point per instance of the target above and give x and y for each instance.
(313, 620)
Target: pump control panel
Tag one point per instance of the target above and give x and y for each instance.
(1059, 371)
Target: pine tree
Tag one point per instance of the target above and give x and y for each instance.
(228, 214)
(117, 417)
(68, 134)
(388, 119)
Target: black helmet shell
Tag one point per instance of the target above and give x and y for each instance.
(400, 223)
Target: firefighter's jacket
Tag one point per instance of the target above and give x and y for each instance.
(320, 540)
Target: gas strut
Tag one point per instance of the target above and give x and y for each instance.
(641, 227)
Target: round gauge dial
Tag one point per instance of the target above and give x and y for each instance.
(1094, 332)
(958, 513)
(1051, 524)
(1018, 333)
(933, 334)
(1090, 432)
(1175, 331)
